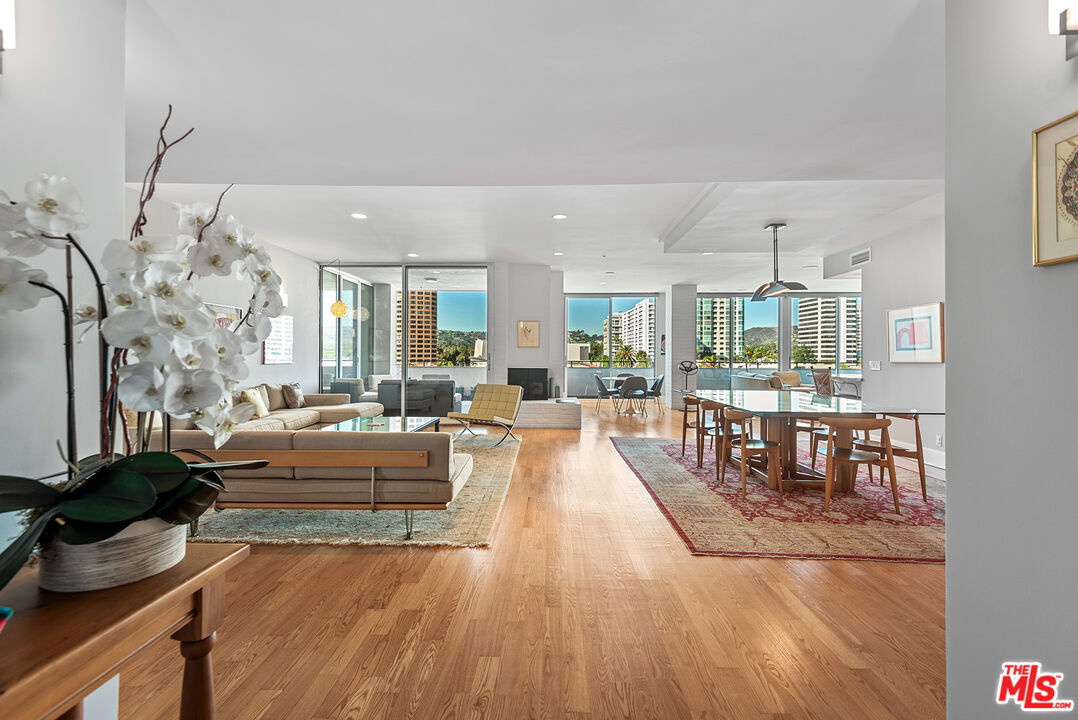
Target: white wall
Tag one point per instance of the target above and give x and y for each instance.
(906, 269)
(1012, 344)
(61, 112)
(680, 323)
(526, 292)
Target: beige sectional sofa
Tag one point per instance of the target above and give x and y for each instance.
(310, 469)
(319, 409)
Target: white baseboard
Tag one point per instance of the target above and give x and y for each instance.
(935, 458)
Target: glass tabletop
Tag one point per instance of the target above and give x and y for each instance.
(383, 424)
(792, 402)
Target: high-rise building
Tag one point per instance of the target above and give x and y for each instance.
(422, 327)
(713, 325)
(634, 327)
(831, 327)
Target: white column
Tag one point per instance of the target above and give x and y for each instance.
(680, 323)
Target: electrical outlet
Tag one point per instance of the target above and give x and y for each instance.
(939, 441)
(873, 364)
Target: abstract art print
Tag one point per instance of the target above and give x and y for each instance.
(915, 334)
(1055, 192)
(528, 334)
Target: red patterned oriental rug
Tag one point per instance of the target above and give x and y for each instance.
(712, 519)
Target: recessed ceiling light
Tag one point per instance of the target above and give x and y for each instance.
(809, 267)
(436, 272)
(609, 272)
(709, 253)
(430, 279)
(359, 216)
(559, 216)
(413, 254)
(559, 254)
(602, 283)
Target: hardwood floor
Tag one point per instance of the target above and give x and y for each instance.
(587, 605)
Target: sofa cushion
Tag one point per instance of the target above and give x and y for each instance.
(271, 439)
(296, 419)
(788, 377)
(253, 396)
(293, 395)
(438, 445)
(260, 425)
(340, 413)
(275, 397)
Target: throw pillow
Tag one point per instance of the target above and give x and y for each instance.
(264, 393)
(274, 396)
(255, 398)
(293, 395)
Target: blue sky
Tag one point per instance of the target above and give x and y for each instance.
(762, 314)
(587, 314)
(459, 310)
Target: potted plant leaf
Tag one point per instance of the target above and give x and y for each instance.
(121, 514)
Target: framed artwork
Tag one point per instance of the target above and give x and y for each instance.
(1055, 192)
(528, 334)
(277, 347)
(915, 334)
(225, 315)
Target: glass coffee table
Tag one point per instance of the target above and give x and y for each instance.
(385, 424)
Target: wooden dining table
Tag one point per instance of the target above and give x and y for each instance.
(780, 410)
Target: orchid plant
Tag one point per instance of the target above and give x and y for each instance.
(160, 351)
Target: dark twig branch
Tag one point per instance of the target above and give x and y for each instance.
(149, 179)
(69, 367)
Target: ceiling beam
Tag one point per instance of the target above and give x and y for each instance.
(700, 207)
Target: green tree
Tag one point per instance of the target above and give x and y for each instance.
(802, 354)
(642, 359)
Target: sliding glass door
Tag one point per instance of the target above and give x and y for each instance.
(607, 335)
(402, 323)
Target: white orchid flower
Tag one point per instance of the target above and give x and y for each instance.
(17, 236)
(189, 320)
(136, 330)
(85, 312)
(254, 331)
(207, 258)
(267, 301)
(16, 291)
(139, 253)
(195, 354)
(188, 390)
(262, 274)
(221, 420)
(141, 386)
(192, 218)
(54, 205)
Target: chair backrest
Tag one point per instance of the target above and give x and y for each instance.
(492, 401)
(657, 386)
(856, 423)
(735, 415)
(600, 385)
(625, 374)
(634, 384)
(790, 378)
(710, 406)
(822, 379)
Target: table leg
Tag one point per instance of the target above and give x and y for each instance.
(73, 713)
(196, 642)
(196, 700)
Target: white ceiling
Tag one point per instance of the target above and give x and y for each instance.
(460, 128)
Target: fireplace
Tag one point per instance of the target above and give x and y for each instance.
(533, 380)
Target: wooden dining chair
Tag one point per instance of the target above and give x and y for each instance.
(917, 453)
(749, 448)
(708, 430)
(692, 409)
(837, 456)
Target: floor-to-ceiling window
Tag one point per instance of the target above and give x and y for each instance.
(734, 334)
(404, 322)
(826, 332)
(608, 334)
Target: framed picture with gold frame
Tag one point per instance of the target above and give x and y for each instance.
(1055, 192)
(528, 334)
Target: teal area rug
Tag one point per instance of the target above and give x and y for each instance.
(469, 520)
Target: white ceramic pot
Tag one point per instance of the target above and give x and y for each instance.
(142, 549)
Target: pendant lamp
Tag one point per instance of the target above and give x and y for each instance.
(776, 287)
(338, 309)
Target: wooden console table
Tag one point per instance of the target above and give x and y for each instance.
(60, 647)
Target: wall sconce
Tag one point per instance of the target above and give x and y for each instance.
(7, 28)
(1063, 20)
